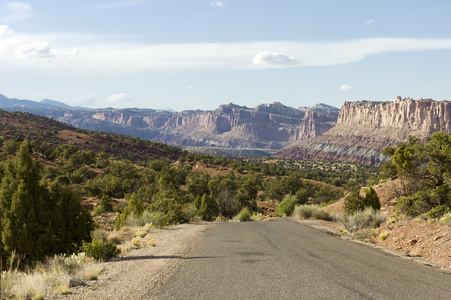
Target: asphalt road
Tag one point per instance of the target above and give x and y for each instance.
(287, 260)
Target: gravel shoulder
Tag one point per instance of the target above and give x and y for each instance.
(142, 270)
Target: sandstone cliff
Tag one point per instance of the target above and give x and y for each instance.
(364, 128)
(267, 126)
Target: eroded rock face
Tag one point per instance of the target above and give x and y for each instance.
(267, 126)
(365, 128)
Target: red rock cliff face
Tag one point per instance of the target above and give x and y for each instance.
(364, 128)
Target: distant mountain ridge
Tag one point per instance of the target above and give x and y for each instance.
(6, 102)
(267, 126)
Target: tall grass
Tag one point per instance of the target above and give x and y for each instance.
(48, 279)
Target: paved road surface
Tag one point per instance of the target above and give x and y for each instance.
(287, 260)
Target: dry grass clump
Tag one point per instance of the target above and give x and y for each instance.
(51, 278)
(305, 212)
(446, 219)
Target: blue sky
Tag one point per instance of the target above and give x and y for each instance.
(198, 54)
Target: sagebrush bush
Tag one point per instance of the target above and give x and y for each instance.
(305, 212)
(369, 218)
(287, 205)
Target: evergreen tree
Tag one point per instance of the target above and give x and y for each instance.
(209, 209)
(37, 221)
(371, 199)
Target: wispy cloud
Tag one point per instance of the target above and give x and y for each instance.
(72, 52)
(217, 4)
(368, 22)
(16, 11)
(345, 88)
(119, 4)
(190, 87)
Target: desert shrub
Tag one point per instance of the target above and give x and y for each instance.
(106, 203)
(368, 218)
(244, 215)
(135, 207)
(139, 220)
(384, 235)
(304, 212)
(167, 209)
(446, 219)
(287, 205)
(438, 212)
(100, 250)
(354, 202)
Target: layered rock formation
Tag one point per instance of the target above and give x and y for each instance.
(267, 126)
(364, 128)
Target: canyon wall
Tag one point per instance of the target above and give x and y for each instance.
(267, 126)
(365, 128)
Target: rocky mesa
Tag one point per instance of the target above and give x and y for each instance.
(364, 128)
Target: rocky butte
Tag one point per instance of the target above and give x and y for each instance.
(364, 128)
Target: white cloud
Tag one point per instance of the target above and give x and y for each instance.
(115, 98)
(16, 11)
(217, 4)
(345, 88)
(119, 4)
(367, 22)
(5, 30)
(274, 59)
(190, 87)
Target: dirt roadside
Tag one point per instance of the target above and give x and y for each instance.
(134, 275)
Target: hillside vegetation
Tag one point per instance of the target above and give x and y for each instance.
(51, 173)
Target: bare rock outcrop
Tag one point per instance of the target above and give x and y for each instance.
(267, 126)
(364, 128)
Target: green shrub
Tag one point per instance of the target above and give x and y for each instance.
(100, 250)
(354, 202)
(286, 207)
(438, 212)
(244, 215)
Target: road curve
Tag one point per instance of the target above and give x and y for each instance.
(287, 260)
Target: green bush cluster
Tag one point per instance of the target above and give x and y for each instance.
(286, 207)
(354, 202)
(100, 250)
